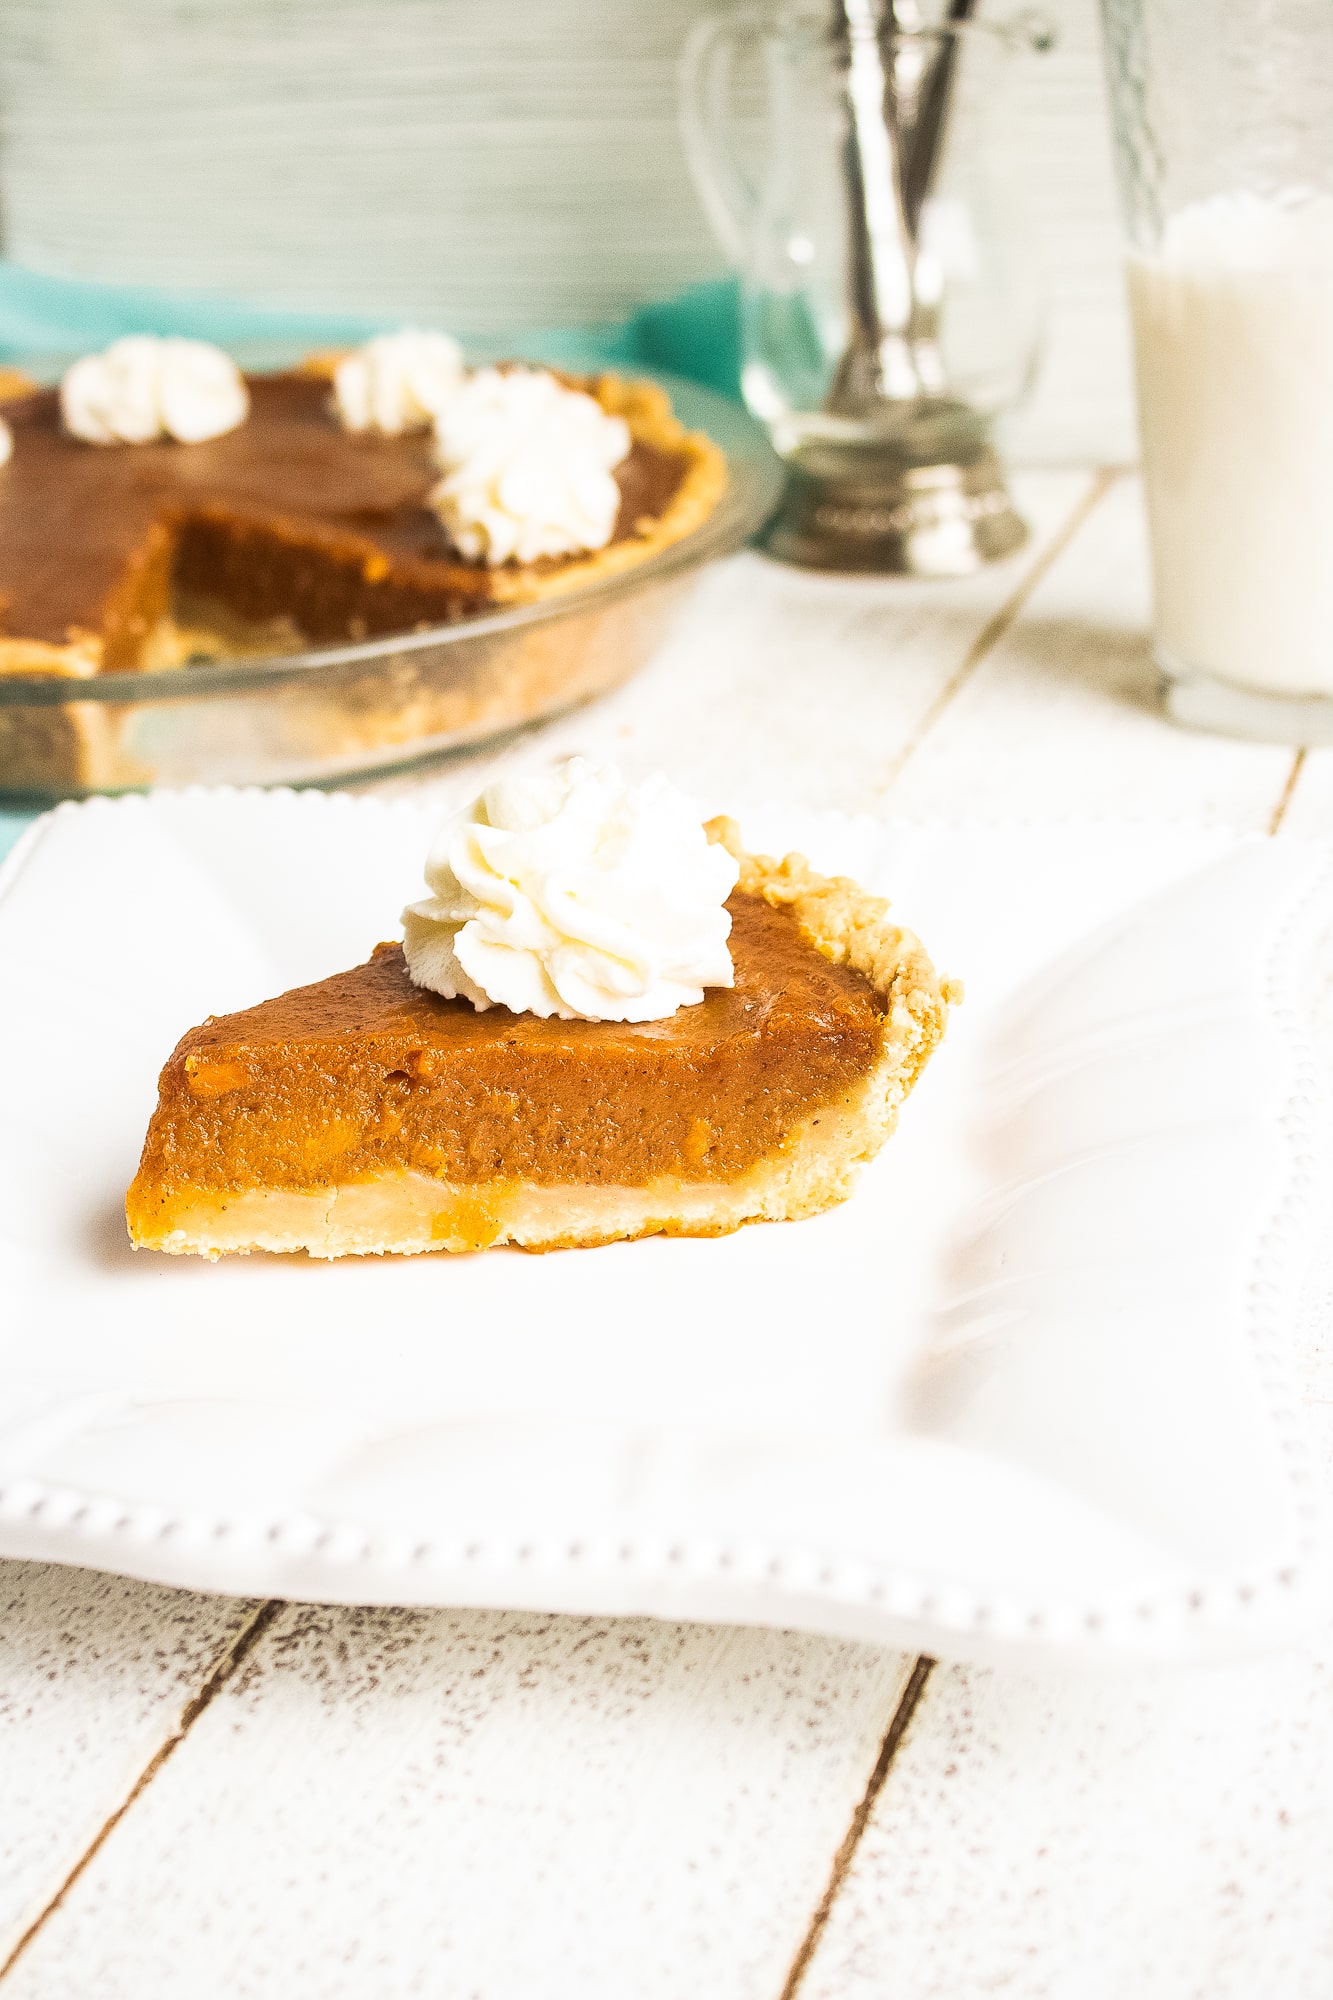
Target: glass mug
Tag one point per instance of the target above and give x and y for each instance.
(1223, 113)
(904, 477)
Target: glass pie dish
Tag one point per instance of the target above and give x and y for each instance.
(344, 711)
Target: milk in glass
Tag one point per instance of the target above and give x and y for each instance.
(1233, 334)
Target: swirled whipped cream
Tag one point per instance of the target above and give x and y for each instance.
(574, 893)
(398, 382)
(143, 387)
(527, 468)
(6, 442)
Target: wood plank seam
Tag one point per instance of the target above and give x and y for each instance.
(842, 1860)
(1103, 479)
(1288, 790)
(234, 1658)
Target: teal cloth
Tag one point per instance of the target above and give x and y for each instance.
(696, 335)
(41, 315)
(11, 826)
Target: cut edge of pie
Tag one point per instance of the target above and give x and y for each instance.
(82, 657)
(405, 1211)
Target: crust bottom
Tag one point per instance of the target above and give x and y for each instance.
(405, 1213)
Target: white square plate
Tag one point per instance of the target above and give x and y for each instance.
(1023, 1391)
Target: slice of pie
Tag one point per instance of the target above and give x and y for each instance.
(366, 1115)
(289, 530)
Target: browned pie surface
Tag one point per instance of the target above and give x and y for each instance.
(288, 516)
(365, 1073)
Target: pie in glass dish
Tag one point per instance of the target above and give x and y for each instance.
(214, 577)
(367, 1115)
(287, 530)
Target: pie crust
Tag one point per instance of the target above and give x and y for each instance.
(885, 991)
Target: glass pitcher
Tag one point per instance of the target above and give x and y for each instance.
(854, 165)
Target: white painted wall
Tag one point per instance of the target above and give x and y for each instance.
(479, 166)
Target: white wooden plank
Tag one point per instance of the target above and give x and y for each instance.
(484, 168)
(1063, 716)
(1309, 810)
(777, 684)
(94, 1675)
(483, 1804)
(1167, 1837)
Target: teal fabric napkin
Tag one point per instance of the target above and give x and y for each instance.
(41, 315)
(696, 335)
(11, 826)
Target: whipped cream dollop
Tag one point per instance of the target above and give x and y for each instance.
(144, 387)
(574, 893)
(398, 382)
(527, 468)
(6, 442)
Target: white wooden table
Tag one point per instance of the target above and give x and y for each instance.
(203, 1797)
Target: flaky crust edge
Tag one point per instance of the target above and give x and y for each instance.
(851, 927)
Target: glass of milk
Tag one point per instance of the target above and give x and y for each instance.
(1224, 126)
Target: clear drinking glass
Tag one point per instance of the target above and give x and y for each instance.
(1223, 113)
(905, 477)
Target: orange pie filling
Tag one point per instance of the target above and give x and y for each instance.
(364, 1114)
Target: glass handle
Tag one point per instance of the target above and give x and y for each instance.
(729, 197)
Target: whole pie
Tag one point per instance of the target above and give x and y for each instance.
(366, 1115)
(286, 531)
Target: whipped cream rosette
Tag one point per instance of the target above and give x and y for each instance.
(576, 894)
(143, 387)
(398, 382)
(527, 467)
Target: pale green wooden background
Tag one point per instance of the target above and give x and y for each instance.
(475, 165)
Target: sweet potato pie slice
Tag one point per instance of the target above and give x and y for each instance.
(366, 1115)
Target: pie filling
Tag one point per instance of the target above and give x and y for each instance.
(365, 1114)
(403, 1212)
(109, 552)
